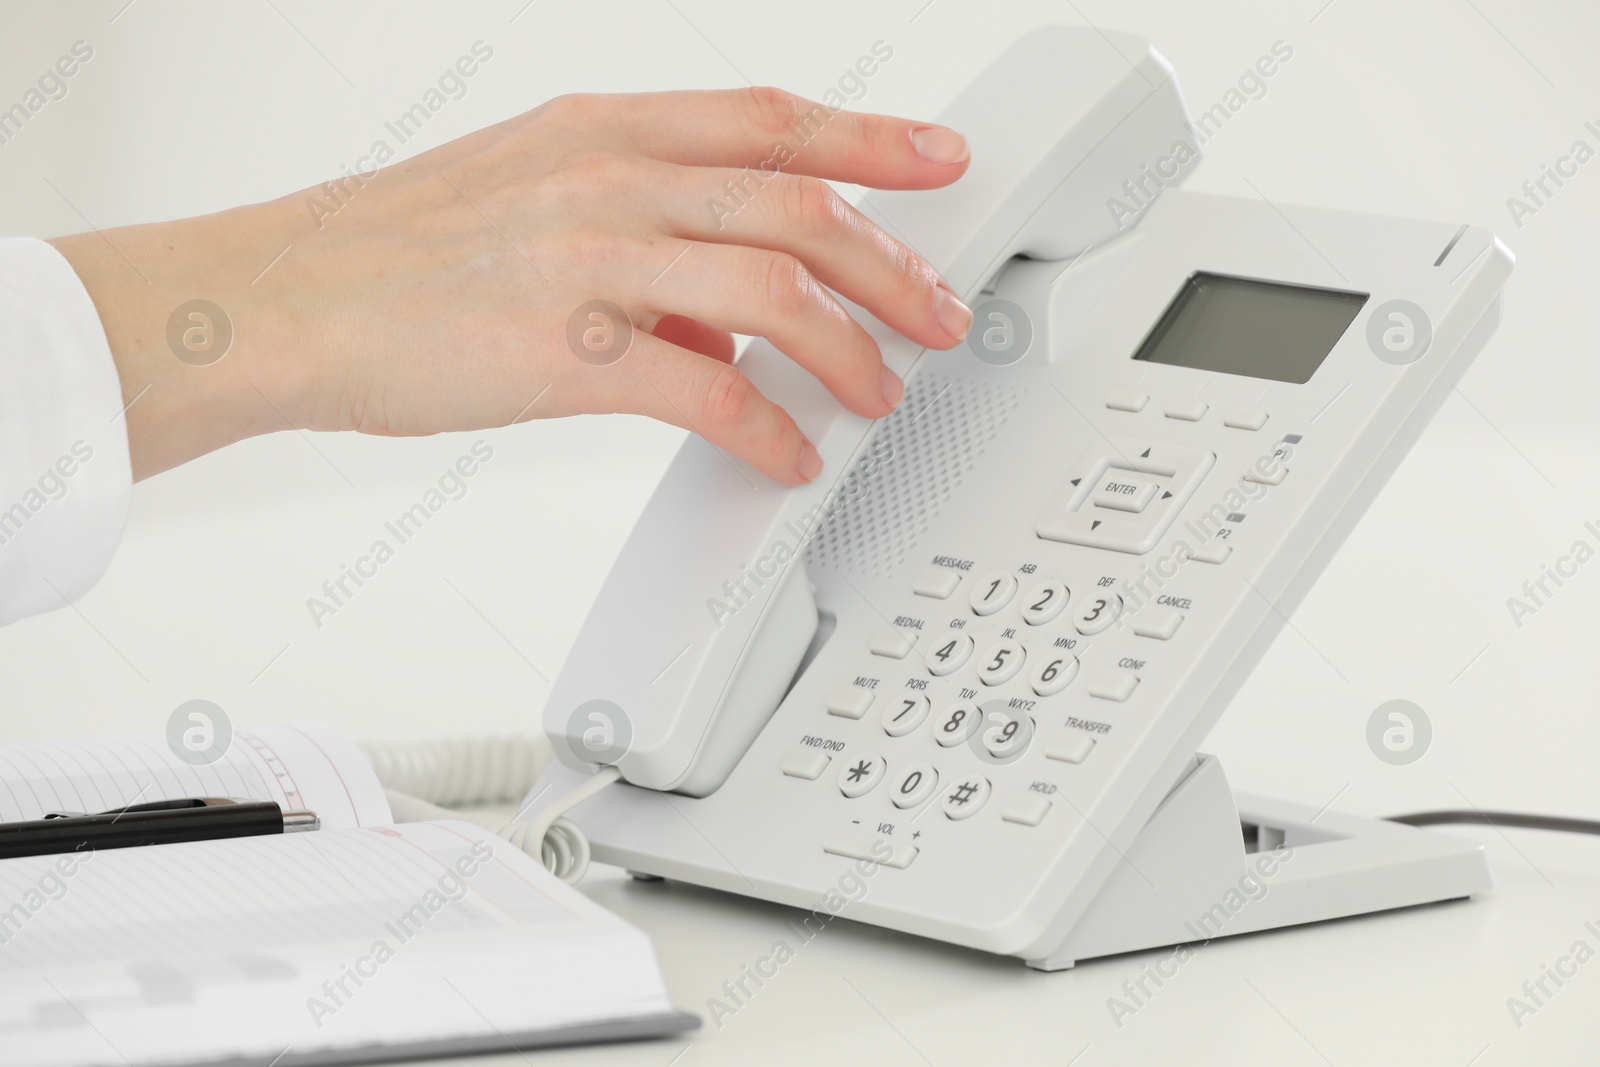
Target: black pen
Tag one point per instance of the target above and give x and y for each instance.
(155, 822)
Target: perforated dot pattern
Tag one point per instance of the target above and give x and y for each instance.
(939, 430)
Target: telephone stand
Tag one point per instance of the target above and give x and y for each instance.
(1205, 866)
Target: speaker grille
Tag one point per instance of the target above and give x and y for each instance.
(939, 430)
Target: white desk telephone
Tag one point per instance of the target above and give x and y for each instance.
(981, 651)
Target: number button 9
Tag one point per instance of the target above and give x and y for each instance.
(960, 724)
(1005, 733)
(904, 715)
(1099, 614)
(993, 592)
(1044, 603)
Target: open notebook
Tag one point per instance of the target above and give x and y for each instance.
(361, 942)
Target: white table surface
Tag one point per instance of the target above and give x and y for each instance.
(1440, 108)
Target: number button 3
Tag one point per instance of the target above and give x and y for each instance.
(1099, 614)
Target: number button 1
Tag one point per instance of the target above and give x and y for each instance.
(1044, 603)
(950, 656)
(957, 726)
(904, 714)
(993, 592)
(1100, 613)
(914, 786)
(1003, 664)
(1055, 673)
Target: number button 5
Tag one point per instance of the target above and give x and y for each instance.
(1044, 603)
(1003, 663)
(950, 656)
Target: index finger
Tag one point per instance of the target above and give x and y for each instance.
(770, 129)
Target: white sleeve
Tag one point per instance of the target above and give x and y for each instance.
(64, 473)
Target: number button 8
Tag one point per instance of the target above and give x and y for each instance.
(960, 724)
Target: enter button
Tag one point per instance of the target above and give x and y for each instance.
(1123, 490)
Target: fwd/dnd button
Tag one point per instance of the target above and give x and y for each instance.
(856, 846)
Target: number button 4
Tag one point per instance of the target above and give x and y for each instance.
(993, 592)
(904, 715)
(950, 656)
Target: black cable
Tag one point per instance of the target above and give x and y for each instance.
(1500, 818)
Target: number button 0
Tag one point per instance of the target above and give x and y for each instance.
(954, 728)
(914, 786)
(1002, 663)
(861, 772)
(904, 714)
(951, 655)
(993, 592)
(1055, 673)
(1044, 603)
(1099, 614)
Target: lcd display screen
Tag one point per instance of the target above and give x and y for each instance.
(1259, 329)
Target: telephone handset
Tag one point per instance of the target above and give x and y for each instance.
(978, 662)
(694, 650)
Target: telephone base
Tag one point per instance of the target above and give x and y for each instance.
(1211, 863)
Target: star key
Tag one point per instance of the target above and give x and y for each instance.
(861, 773)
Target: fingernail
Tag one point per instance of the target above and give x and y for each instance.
(893, 388)
(939, 145)
(810, 464)
(952, 314)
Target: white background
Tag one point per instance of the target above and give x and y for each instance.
(1434, 108)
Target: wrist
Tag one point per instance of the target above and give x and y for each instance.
(193, 346)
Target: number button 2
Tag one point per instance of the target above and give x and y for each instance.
(905, 714)
(993, 592)
(1003, 663)
(949, 657)
(1044, 603)
(1099, 614)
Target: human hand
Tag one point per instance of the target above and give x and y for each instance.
(438, 296)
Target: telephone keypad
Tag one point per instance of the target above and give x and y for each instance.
(905, 714)
(993, 592)
(950, 655)
(914, 786)
(861, 772)
(1002, 662)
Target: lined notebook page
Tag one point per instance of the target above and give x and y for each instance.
(281, 947)
(299, 766)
